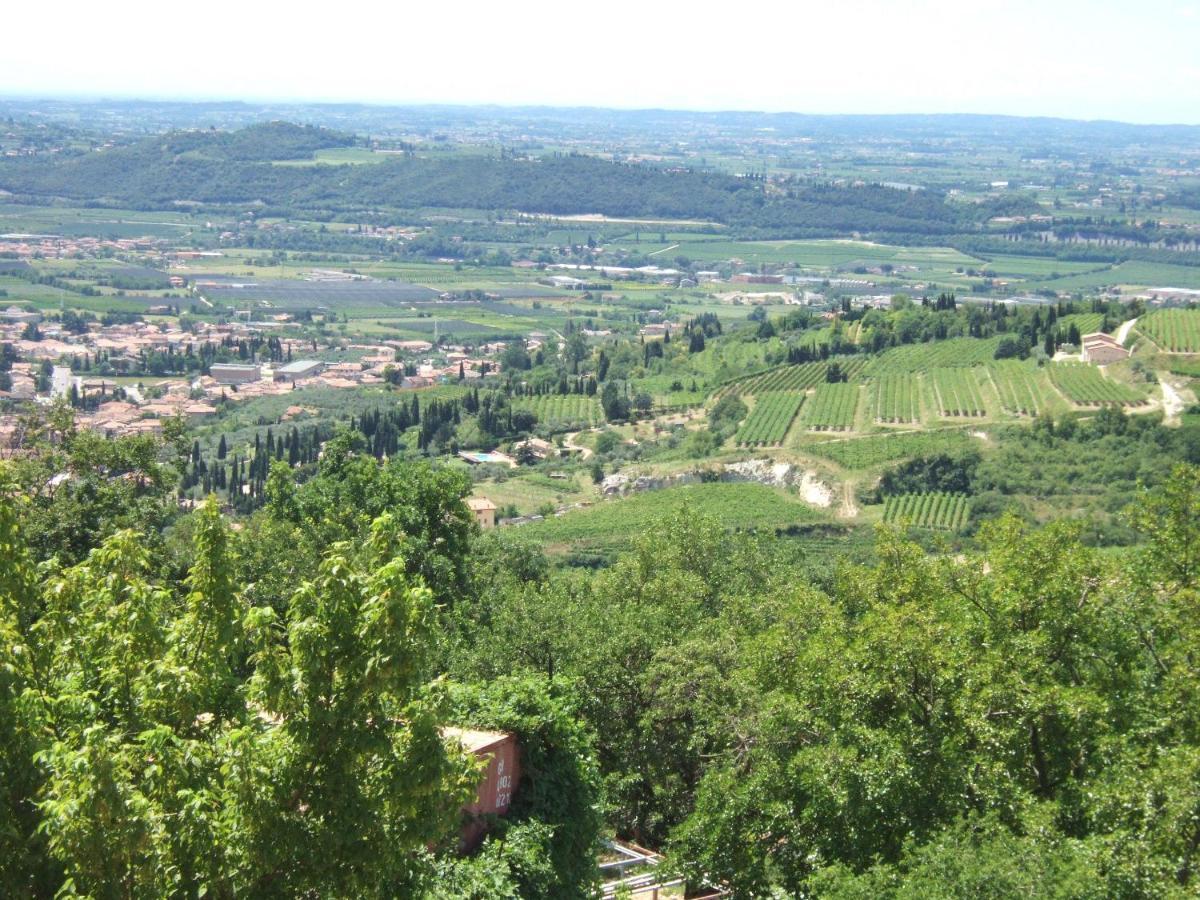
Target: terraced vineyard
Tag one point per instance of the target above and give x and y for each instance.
(770, 419)
(1084, 386)
(945, 512)
(794, 378)
(1174, 330)
(1086, 323)
(832, 407)
(1022, 389)
(896, 398)
(935, 354)
(562, 413)
(862, 453)
(957, 391)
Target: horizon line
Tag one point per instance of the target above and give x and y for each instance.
(197, 100)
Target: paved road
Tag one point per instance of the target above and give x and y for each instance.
(61, 380)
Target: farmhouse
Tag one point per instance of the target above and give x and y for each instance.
(1101, 348)
(654, 330)
(484, 510)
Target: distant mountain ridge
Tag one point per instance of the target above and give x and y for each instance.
(228, 168)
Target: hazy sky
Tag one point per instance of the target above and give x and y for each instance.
(1136, 60)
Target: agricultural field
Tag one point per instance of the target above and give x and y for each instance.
(796, 378)
(1023, 388)
(832, 408)
(1132, 274)
(1173, 330)
(770, 419)
(1036, 268)
(896, 399)
(295, 293)
(938, 354)
(611, 524)
(336, 156)
(529, 494)
(98, 222)
(940, 511)
(957, 391)
(1084, 385)
(866, 452)
(828, 254)
(562, 413)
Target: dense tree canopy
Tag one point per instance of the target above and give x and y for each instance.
(259, 710)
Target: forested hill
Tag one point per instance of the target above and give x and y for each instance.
(234, 168)
(258, 143)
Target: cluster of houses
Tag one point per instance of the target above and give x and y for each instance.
(54, 246)
(121, 408)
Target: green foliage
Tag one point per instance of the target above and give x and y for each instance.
(223, 168)
(951, 726)
(1065, 467)
(725, 415)
(184, 743)
(940, 472)
(82, 487)
(980, 858)
(340, 504)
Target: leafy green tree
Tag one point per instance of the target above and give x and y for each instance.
(353, 776)
(81, 487)
(183, 742)
(980, 858)
(351, 490)
(613, 402)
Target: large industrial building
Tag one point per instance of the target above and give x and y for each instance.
(234, 373)
(301, 368)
